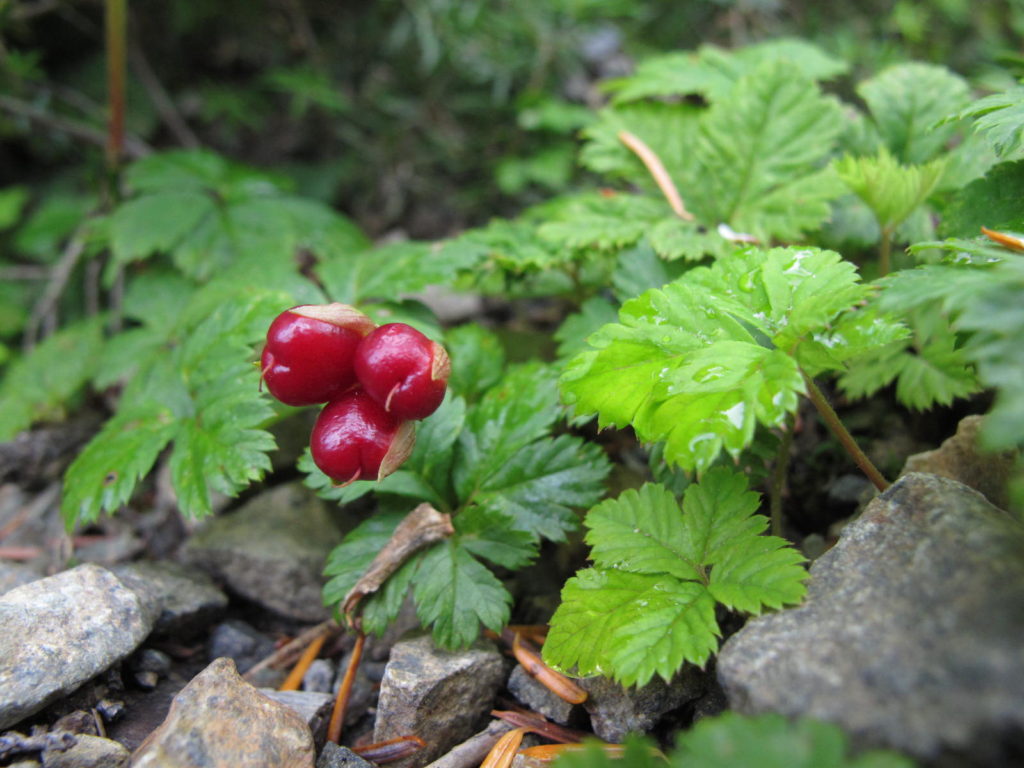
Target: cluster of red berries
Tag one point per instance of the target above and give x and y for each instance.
(375, 380)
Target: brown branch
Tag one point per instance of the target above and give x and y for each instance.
(59, 275)
(289, 652)
(471, 752)
(162, 101)
(134, 147)
(420, 528)
(657, 171)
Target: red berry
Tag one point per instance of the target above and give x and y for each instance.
(403, 370)
(309, 352)
(354, 438)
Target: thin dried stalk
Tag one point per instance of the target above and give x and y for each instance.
(657, 170)
(294, 679)
(345, 691)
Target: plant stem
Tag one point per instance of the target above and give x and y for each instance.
(779, 472)
(116, 19)
(842, 435)
(885, 252)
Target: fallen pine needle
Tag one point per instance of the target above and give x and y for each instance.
(345, 691)
(556, 682)
(294, 679)
(657, 170)
(540, 725)
(391, 750)
(504, 750)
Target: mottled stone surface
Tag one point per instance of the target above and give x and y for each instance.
(271, 551)
(961, 458)
(911, 633)
(313, 707)
(441, 696)
(616, 711)
(334, 756)
(535, 696)
(189, 601)
(88, 752)
(220, 721)
(59, 632)
(241, 642)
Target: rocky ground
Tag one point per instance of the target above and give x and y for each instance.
(139, 649)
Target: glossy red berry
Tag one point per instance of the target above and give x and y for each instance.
(309, 354)
(355, 439)
(403, 370)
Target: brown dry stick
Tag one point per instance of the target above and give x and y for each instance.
(420, 528)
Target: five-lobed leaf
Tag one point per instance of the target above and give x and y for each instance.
(700, 362)
(648, 604)
(760, 154)
(455, 594)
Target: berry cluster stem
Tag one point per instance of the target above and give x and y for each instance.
(841, 434)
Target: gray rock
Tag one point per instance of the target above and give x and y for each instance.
(440, 696)
(188, 599)
(16, 575)
(961, 458)
(59, 632)
(910, 635)
(240, 642)
(314, 708)
(220, 721)
(271, 551)
(616, 711)
(319, 677)
(538, 698)
(88, 752)
(334, 756)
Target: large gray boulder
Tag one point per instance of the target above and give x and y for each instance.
(59, 632)
(911, 635)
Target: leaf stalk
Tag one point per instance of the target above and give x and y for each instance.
(841, 434)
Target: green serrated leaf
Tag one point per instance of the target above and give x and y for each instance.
(1000, 118)
(455, 594)
(640, 532)
(639, 269)
(104, 475)
(40, 384)
(992, 202)
(668, 129)
(907, 101)
(539, 484)
(630, 626)
(929, 368)
(891, 190)
(711, 71)
(478, 360)
(516, 412)
(673, 238)
(12, 201)
(492, 535)
(574, 330)
(602, 222)
(759, 155)
(773, 741)
(157, 223)
(357, 275)
(669, 623)
(648, 605)
(703, 360)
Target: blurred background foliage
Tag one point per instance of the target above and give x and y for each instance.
(426, 115)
